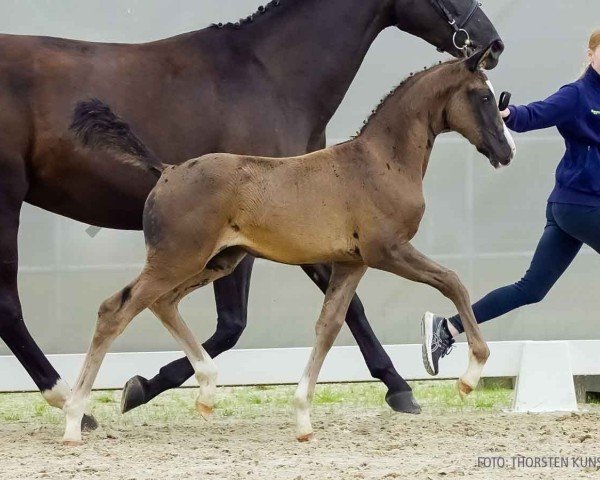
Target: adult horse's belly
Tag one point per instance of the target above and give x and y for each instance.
(92, 189)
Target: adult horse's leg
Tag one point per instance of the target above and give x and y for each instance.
(399, 395)
(408, 262)
(231, 295)
(344, 280)
(13, 188)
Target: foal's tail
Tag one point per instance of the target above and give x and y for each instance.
(96, 126)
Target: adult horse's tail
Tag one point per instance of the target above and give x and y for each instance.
(95, 125)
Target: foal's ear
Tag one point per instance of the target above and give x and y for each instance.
(478, 59)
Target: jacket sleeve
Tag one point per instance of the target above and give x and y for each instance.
(544, 114)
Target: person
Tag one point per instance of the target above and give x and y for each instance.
(572, 213)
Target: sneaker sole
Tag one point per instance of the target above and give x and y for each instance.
(426, 336)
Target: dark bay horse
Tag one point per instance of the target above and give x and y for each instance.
(267, 85)
(355, 205)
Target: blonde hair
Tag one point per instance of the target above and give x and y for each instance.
(593, 44)
(594, 40)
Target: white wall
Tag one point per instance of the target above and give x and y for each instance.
(483, 223)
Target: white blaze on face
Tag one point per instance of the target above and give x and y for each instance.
(507, 134)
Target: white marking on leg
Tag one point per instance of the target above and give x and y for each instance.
(74, 409)
(474, 371)
(342, 285)
(302, 405)
(206, 375)
(205, 368)
(111, 322)
(57, 395)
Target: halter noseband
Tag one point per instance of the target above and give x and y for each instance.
(458, 25)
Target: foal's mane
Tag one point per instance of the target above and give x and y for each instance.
(250, 18)
(404, 84)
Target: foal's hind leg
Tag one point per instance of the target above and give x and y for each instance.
(406, 261)
(204, 367)
(231, 296)
(113, 317)
(166, 310)
(343, 283)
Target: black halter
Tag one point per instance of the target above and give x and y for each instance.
(458, 24)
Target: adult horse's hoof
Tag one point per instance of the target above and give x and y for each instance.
(134, 394)
(88, 423)
(403, 402)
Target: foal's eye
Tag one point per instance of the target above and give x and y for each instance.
(486, 98)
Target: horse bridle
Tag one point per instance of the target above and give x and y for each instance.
(458, 24)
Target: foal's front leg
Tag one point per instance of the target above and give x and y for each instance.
(399, 395)
(344, 280)
(406, 261)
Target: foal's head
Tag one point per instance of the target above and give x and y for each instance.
(471, 109)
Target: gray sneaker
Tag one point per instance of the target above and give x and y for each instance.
(437, 341)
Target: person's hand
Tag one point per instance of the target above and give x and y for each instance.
(505, 113)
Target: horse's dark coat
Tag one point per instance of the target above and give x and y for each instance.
(95, 124)
(250, 18)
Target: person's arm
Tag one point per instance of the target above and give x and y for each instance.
(547, 113)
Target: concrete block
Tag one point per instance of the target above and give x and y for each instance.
(545, 380)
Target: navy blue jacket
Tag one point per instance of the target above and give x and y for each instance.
(575, 110)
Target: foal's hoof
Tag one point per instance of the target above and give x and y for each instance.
(403, 402)
(464, 389)
(72, 443)
(134, 394)
(88, 423)
(204, 410)
(305, 438)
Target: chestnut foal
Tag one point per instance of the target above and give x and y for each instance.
(355, 205)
